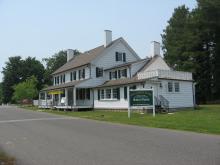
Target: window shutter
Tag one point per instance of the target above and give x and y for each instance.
(118, 93)
(98, 94)
(74, 75)
(83, 73)
(116, 56)
(116, 74)
(79, 74)
(124, 57)
(97, 70)
(71, 76)
(125, 92)
(110, 75)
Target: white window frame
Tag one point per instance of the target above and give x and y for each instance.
(169, 82)
(106, 93)
(176, 86)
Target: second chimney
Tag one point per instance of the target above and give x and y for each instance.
(70, 54)
(108, 37)
(155, 48)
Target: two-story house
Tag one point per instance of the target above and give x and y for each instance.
(101, 78)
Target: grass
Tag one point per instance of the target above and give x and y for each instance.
(5, 159)
(205, 119)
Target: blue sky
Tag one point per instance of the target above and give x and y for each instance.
(40, 28)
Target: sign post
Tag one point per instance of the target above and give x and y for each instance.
(141, 98)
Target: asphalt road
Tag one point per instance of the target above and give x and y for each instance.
(36, 138)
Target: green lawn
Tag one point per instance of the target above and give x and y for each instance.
(205, 119)
(5, 159)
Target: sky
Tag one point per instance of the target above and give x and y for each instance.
(40, 28)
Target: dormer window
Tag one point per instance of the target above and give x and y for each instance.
(120, 56)
(124, 73)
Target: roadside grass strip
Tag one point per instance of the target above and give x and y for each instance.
(205, 119)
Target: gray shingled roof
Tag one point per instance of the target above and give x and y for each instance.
(84, 58)
(122, 82)
(69, 84)
(81, 59)
(126, 64)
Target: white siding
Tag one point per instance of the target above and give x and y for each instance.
(110, 104)
(159, 63)
(184, 98)
(107, 60)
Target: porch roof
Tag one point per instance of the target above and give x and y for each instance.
(69, 84)
(122, 82)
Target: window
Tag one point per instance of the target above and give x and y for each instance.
(114, 75)
(119, 73)
(108, 93)
(102, 94)
(61, 79)
(124, 73)
(99, 72)
(42, 96)
(116, 93)
(49, 96)
(177, 86)
(64, 77)
(88, 93)
(110, 75)
(170, 87)
(119, 56)
(58, 80)
(125, 93)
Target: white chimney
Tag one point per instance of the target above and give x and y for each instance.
(70, 54)
(108, 37)
(155, 48)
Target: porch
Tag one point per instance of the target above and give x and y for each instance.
(66, 98)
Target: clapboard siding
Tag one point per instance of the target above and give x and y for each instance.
(107, 59)
(184, 98)
(159, 63)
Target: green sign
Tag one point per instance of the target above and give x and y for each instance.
(141, 98)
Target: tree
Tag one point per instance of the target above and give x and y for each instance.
(55, 62)
(1, 96)
(18, 70)
(11, 76)
(191, 43)
(26, 89)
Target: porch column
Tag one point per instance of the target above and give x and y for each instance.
(74, 96)
(52, 97)
(59, 102)
(66, 97)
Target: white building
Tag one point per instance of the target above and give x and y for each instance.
(101, 78)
